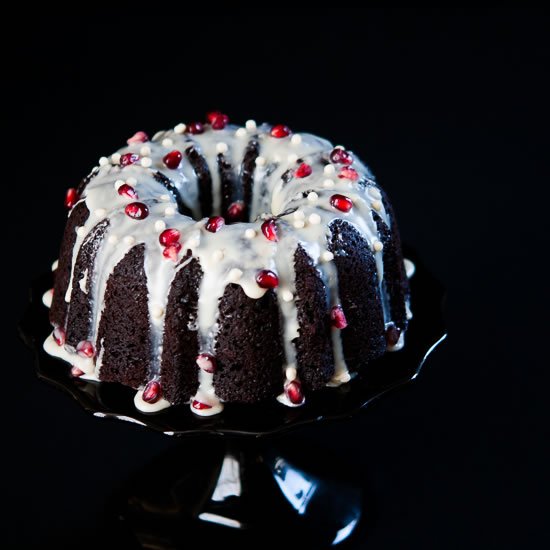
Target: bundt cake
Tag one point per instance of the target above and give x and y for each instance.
(214, 264)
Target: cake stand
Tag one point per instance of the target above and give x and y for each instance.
(240, 481)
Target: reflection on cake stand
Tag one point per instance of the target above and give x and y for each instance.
(246, 485)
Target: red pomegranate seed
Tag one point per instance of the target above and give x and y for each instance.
(341, 202)
(137, 210)
(71, 198)
(126, 190)
(152, 392)
(195, 128)
(348, 173)
(171, 252)
(138, 137)
(200, 406)
(340, 156)
(337, 317)
(293, 391)
(128, 158)
(169, 236)
(267, 279)
(76, 372)
(280, 131)
(206, 362)
(392, 334)
(303, 170)
(85, 349)
(211, 115)
(217, 119)
(172, 159)
(59, 336)
(235, 211)
(214, 224)
(269, 229)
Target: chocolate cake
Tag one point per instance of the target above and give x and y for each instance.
(214, 264)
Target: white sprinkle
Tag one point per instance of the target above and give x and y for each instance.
(115, 158)
(296, 139)
(291, 373)
(103, 161)
(328, 184)
(146, 162)
(234, 275)
(298, 224)
(241, 132)
(112, 239)
(221, 147)
(193, 242)
(158, 135)
(250, 125)
(293, 157)
(131, 181)
(160, 225)
(180, 128)
(328, 170)
(287, 296)
(157, 311)
(100, 212)
(373, 192)
(145, 150)
(260, 161)
(314, 219)
(378, 246)
(167, 142)
(129, 240)
(118, 183)
(299, 215)
(312, 197)
(377, 205)
(164, 198)
(327, 256)
(250, 233)
(169, 211)
(54, 265)
(217, 255)
(81, 231)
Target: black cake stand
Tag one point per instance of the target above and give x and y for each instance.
(246, 486)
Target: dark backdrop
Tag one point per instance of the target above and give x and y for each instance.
(449, 108)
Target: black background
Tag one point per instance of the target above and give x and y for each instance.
(449, 108)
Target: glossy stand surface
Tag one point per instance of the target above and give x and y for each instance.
(239, 482)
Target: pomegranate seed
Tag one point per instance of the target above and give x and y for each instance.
(169, 236)
(211, 115)
(337, 317)
(172, 159)
(138, 137)
(195, 128)
(126, 190)
(303, 170)
(280, 131)
(267, 279)
(128, 158)
(348, 173)
(59, 336)
(392, 334)
(171, 252)
(293, 391)
(200, 406)
(340, 156)
(137, 210)
(217, 119)
(71, 198)
(206, 362)
(341, 202)
(269, 229)
(235, 211)
(214, 224)
(152, 392)
(85, 349)
(76, 372)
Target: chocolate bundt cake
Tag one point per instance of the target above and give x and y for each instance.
(216, 264)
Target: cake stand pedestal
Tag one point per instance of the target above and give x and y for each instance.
(234, 478)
